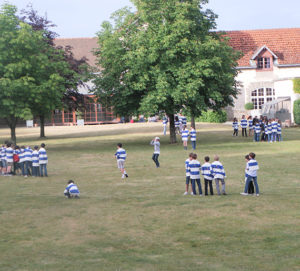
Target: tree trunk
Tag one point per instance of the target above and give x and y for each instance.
(172, 129)
(42, 126)
(193, 121)
(12, 123)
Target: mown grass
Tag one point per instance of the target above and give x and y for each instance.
(145, 223)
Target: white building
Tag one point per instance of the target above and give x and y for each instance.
(270, 62)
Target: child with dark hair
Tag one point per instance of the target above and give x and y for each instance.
(185, 137)
(193, 135)
(251, 170)
(251, 186)
(35, 162)
(187, 175)
(208, 177)
(43, 160)
(194, 168)
(235, 126)
(219, 174)
(250, 125)
(71, 190)
(244, 125)
(121, 157)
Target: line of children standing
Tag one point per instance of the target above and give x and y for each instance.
(210, 172)
(23, 160)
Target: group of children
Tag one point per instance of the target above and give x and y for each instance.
(15, 160)
(262, 129)
(210, 172)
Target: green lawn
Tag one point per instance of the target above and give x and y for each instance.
(145, 223)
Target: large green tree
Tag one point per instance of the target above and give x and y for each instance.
(32, 73)
(166, 57)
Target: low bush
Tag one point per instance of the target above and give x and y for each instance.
(212, 116)
(297, 111)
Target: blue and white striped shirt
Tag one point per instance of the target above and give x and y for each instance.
(250, 122)
(218, 170)
(9, 154)
(121, 154)
(21, 156)
(43, 158)
(257, 128)
(244, 123)
(27, 154)
(270, 128)
(274, 126)
(193, 135)
(165, 121)
(35, 158)
(279, 129)
(235, 125)
(194, 167)
(3, 153)
(207, 171)
(185, 134)
(72, 189)
(187, 170)
(183, 120)
(177, 123)
(252, 167)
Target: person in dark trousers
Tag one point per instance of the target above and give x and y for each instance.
(251, 186)
(156, 143)
(208, 177)
(244, 125)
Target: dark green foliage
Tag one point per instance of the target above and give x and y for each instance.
(297, 111)
(249, 106)
(213, 116)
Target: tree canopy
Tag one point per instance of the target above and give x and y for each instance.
(164, 57)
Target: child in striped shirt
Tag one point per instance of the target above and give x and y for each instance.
(250, 125)
(208, 177)
(43, 160)
(187, 175)
(251, 187)
(28, 161)
(219, 174)
(71, 190)
(279, 138)
(274, 130)
(193, 135)
(257, 130)
(9, 159)
(251, 170)
(121, 157)
(244, 125)
(185, 137)
(194, 168)
(35, 162)
(165, 122)
(235, 126)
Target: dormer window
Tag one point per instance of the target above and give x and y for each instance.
(264, 63)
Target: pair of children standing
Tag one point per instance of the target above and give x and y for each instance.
(210, 172)
(185, 134)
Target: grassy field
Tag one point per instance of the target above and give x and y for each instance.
(145, 222)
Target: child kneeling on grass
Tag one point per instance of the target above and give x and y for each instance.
(71, 190)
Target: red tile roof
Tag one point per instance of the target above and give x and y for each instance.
(81, 47)
(284, 43)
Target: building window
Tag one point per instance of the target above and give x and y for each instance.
(264, 63)
(261, 96)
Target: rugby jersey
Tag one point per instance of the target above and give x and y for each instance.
(187, 170)
(274, 126)
(193, 135)
(21, 156)
(218, 170)
(177, 123)
(43, 158)
(257, 128)
(165, 121)
(3, 154)
(244, 123)
(185, 134)
(279, 129)
(235, 125)
(9, 152)
(252, 167)
(121, 154)
(207, 171)
(183, 120)
(72, 189)
(35, 158)
(266, 129)
(250, 123)
(27, 154)
(194, 168)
